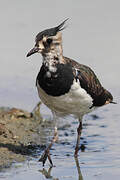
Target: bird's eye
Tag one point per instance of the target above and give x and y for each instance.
(49, 41)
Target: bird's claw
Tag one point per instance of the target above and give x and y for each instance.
(44, 157)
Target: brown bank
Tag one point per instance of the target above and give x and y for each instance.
(18, 134)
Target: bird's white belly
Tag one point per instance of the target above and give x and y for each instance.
(77, 101)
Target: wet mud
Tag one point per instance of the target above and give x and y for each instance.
(18, 134)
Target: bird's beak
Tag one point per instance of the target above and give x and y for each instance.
(32, 51)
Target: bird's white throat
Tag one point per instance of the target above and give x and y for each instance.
(50, 62)
(52, 58)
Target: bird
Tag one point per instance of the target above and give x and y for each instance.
(65, 86)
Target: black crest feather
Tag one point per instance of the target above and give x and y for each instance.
(51, 31)
(61, 26)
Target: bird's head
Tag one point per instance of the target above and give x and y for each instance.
(47, 40)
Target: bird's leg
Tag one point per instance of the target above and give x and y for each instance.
(79, 131)
(46, 153)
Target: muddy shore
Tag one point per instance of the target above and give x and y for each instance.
(18, 134)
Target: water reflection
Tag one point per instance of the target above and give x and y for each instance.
(80, 177)
(47, 173)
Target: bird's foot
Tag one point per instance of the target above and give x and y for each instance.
(44, 157)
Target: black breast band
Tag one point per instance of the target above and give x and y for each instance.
(59, 83)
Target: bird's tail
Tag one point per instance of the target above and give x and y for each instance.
(112, 102)
(109, 97)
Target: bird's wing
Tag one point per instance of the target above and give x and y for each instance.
(89, 81)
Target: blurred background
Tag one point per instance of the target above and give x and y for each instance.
(92, 38)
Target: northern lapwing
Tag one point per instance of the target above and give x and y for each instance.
(64, 85)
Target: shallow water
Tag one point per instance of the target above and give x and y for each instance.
(92, 37)
(99, 160)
